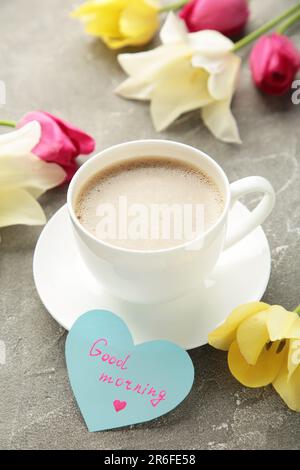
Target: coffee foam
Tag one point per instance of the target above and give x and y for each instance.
(148, 181)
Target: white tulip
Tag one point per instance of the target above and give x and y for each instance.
(24, 177)
(188, 71)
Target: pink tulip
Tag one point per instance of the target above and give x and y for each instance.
(61, 142)
(229, 17)
(274, 62)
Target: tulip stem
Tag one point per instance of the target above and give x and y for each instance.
(8, 123)
(266, 27)
(297, 310)
(174, 6)
(288, 23)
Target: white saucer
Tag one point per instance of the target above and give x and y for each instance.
(67, 289)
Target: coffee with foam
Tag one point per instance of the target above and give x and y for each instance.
(126, 204)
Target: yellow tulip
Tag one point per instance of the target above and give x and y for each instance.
(257, 337)
(120, 23)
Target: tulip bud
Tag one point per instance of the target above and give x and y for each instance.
(229, 17)
(274, 62)
(60, 141)
(120, 23)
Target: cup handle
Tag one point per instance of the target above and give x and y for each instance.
(251, 184)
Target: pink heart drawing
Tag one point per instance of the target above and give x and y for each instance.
(119, 405)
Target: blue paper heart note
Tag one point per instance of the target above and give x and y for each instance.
(117, 383)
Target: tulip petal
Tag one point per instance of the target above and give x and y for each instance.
(222, 85)
(119, 42)
(289, 387)
(252, 335)
(293, 356)
(17, 206)
(29, 172)
(139, 21)
(211, 64)
(148, 69)
(173, 30)
(148, 63)
(83, 142)
(263, 372)
(20, 141)
(144, 69)
(227, 16)
(210, 43)
(280, 323)
(224, 335)
(93, 6)
(135, 89)
(294, 331)
(219, 119)
(180, 88)
(107, 29)
(101, 18)
(223, 73)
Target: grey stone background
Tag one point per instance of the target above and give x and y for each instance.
(48, 63)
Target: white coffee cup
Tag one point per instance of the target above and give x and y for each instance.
(160, 275)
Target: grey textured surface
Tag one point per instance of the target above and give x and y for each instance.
(48, 63)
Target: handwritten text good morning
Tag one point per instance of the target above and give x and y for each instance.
(152, 393)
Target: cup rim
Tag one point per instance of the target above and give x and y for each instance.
(182, 246)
